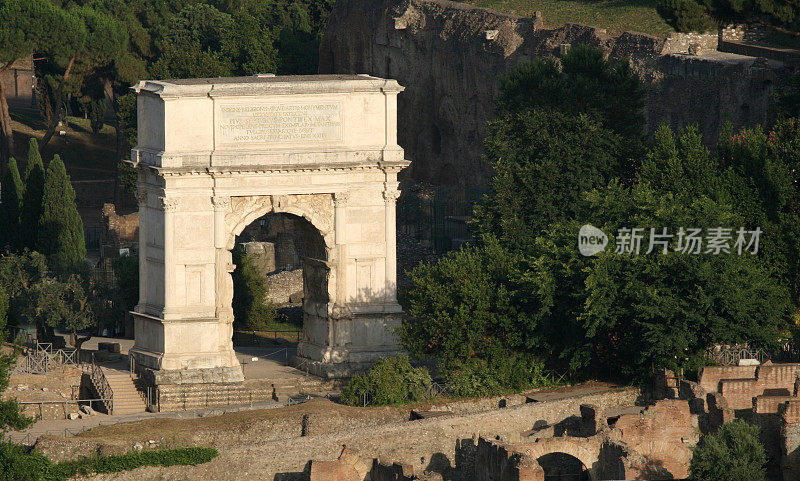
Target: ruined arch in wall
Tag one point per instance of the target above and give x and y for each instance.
(213, 156)
(586, 450)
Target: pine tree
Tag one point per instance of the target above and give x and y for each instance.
(60, 226)
(32, 200)
(10, 208)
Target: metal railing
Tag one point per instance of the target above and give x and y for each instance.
(731, 355)
(102, 386)
(256, 336)
(43, 359)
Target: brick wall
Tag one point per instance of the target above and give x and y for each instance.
(710, 376)
(770, 379)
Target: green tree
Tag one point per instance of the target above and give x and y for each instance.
(197, 43)
(11, 208)
(18, 273)
(542, 162)
(90, 40)
(62, 304)
(586, 83)
(32, 199)
(60, 231)
(4, 300)
(251, 310)
(686, 15)
(461, 307)
(622, 313)
(10, 414)
(28, 26)
(733, 452)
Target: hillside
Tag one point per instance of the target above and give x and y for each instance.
(616, 16)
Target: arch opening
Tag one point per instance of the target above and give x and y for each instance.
(285, 251)
(559, 466)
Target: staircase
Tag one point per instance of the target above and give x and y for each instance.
(286, 389)
(127, 399)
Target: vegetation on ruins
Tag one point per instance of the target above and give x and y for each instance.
(251, 309)
(656, 17)
(733, 452)
(616, 17)
(686, 15)
(390, 381)
(19, 463)
(524, 290)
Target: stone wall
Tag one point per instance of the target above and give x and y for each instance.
(450, 56)
(692, 42)
(436, 444)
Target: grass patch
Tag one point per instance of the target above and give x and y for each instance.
(616, 16)
(86, 155)
(19, 463)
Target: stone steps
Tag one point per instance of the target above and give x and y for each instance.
(127, 398)
(285, 389)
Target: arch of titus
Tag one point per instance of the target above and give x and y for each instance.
(213, 156)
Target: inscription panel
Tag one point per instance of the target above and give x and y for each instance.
(263, 123)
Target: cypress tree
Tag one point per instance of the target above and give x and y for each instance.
(60, 226)
(11, 208)
(32, 200)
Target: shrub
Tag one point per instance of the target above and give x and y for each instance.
(125, 462)
(18, 463)
(390, 381)
(686, 15)
(509, 373)
(250, 307)
(733, 452)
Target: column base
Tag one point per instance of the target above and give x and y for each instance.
(338, 370)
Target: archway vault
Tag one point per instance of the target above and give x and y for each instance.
(214, 156)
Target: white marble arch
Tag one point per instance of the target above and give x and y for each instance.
(213, 156)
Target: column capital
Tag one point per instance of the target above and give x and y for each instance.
(221, 203)
(141, 198)
(340, 199)
(169, 204)
(391, 196)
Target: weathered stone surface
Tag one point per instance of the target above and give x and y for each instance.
(216, 155)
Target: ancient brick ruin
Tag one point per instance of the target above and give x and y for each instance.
(611, 443)
(764, 395)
